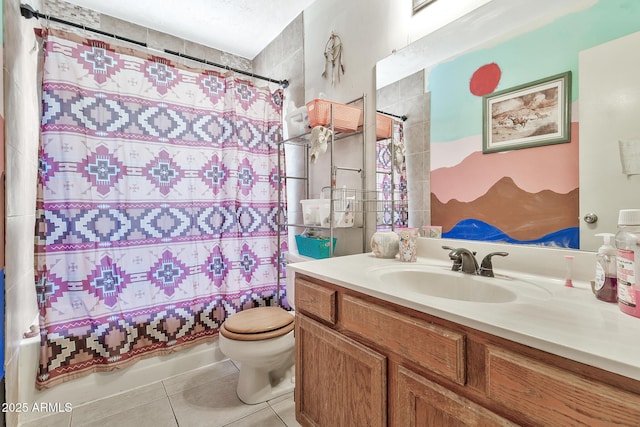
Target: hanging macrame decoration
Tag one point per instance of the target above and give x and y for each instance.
(333, 56)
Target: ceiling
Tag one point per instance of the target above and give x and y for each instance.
(240, 27)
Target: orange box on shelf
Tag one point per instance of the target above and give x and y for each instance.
(383, 126)
(346, 118)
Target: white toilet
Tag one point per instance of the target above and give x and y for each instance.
(261, 341)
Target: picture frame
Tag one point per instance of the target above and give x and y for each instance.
(529, 115)
(419, 4)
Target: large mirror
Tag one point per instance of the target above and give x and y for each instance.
(487, 78)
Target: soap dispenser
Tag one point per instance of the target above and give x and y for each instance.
(606, 283)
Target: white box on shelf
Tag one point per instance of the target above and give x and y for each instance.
(314, 211)
(297, 120)
(317, 212)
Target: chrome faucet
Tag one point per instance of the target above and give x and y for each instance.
(464, 260)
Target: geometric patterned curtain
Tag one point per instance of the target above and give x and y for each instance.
(398, 211)
(157, 205)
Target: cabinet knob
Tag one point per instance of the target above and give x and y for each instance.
(590, 218)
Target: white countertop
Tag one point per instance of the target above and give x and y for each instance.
(569, 322)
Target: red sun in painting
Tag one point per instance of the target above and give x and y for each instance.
(485, 79)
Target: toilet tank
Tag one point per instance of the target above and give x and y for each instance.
(292, 257)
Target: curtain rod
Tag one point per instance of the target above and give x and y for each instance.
(403, 117)
(28, 12)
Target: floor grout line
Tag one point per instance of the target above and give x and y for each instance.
(74, 420)
(173, 411)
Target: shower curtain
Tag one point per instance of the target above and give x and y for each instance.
(398, 212)
(157, 205)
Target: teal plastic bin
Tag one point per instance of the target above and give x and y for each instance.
(314, 247)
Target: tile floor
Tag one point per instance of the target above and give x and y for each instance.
(203, 397)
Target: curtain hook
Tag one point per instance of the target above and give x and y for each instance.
(47, 21)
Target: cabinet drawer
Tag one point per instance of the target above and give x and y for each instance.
(545, 395)
(433, 347)
(316, 300)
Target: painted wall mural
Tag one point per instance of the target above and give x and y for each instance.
(526, 196)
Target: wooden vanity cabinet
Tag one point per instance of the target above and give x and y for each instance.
(362, 361)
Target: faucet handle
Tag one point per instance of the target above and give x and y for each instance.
(486, 267)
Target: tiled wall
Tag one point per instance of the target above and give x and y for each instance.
(283, 58)
(407, 97)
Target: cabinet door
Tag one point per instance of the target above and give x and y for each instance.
(545, 395)
(339, 382)
(420, 402)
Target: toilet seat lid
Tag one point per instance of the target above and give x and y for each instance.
(257, 324)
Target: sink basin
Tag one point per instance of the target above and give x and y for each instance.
(440, 282)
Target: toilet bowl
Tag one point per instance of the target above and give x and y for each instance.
(261, 341)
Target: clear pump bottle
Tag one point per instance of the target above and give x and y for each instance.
(606, 287)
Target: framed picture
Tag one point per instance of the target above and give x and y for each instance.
(529, 115)
(419, 4)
